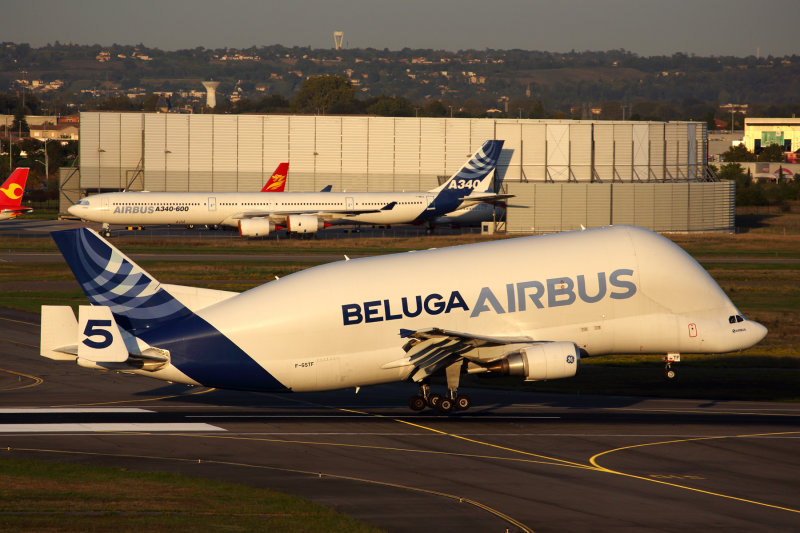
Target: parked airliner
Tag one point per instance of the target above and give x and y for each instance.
(527, 307)
(258, 214)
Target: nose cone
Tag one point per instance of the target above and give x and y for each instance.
(757, 331)
(77, 210)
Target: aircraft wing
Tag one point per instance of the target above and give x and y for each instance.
(489, 198)
(324, 214)
(431, 349)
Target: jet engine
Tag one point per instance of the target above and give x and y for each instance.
(255, 227)
(548, 360)
(303, 224)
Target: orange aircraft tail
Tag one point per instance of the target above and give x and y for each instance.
(277, 182)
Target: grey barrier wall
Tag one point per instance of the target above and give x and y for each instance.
(546, 163)
(665, 206)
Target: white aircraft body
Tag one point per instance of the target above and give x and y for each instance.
(260, 213)
(529, 306)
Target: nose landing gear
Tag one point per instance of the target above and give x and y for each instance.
(670, 358)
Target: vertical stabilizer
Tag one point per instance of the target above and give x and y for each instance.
(111, 279)
(12, 189)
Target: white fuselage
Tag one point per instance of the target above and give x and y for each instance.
(611, 290)
(227, 208)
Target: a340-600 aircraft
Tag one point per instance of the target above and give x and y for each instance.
(528, 307)
(259, 213)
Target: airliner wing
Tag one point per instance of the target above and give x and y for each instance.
(431, 349)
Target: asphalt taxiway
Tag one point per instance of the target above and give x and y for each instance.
(515, 461)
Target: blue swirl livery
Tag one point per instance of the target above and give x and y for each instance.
(155, 326)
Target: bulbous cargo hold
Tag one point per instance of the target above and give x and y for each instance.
(527, 307)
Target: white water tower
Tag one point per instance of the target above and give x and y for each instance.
(211, 93)
(338, 37)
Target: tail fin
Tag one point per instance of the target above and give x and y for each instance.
(109, 278)
(277, 182)
(14, 186)
(473, 177)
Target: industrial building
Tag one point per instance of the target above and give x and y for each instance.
(564, 174)
(762, 132)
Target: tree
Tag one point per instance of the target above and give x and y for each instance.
(772, 153)
(738, 153)
(434, 108)
(390, 106)
(325, 94)
(20, 124)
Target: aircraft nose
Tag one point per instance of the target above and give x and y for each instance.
(73, 210)
(759, 332)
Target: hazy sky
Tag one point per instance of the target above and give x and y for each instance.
(646, 27)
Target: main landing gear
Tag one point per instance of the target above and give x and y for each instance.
(450, 402)
(670, 358)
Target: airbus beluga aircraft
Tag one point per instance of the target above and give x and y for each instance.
(528, 307)
(257, 214)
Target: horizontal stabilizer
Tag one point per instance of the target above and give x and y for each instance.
(489, 198)
(59, 333)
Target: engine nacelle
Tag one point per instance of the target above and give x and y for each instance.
(303, 224)
(548, 360)
(255, 227)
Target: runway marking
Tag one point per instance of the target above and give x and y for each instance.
(595, 466)
(593, 461)
(36, 380)
(115, 427)
(366, 415)
(426, 428)
(18, 321)
(57, 410)
(714, 412)
(137, 400)
(460, 499)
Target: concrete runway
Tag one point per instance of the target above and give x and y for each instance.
(515, 461)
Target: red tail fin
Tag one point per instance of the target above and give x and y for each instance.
(277, 182)
(12, 189)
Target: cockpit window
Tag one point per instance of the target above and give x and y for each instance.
(84, 202)
(733, 319)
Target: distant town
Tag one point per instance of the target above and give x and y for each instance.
(61, 79)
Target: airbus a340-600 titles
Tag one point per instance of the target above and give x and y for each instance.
(528, 307)
(11, 195)
(260, 213)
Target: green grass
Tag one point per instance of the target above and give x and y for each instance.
(42, 496)
(33, 300)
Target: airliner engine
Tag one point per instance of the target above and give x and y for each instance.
(548, 360)
(303, 224)
(255, 227)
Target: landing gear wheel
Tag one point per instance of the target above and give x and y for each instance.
(189, 226)
(462, 403)
(417, 403)
(434, 399)
(445, 405)
(107, 234)
(669, 373)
